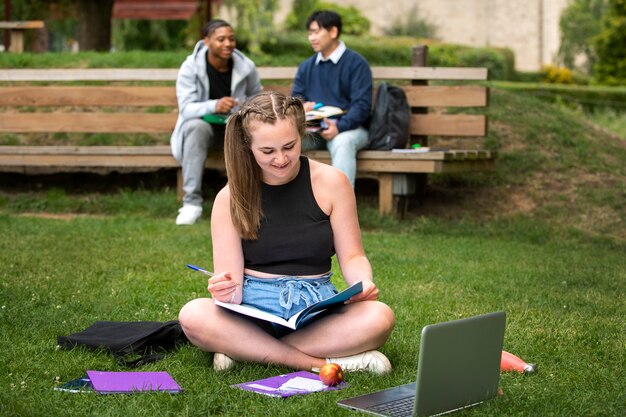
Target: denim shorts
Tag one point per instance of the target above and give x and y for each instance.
(285, 296)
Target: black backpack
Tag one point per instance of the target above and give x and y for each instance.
(126, 340)
(389, 125)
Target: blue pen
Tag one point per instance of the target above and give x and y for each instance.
(197, 268)
(318, 105)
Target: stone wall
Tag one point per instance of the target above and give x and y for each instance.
(528, 27)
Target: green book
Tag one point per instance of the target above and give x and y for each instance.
(218, 119)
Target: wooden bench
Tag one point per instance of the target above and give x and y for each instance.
(17, 30)
(120, 109)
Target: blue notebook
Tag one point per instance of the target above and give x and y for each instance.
(303, 316)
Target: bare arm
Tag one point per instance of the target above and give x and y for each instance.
(336, 197)
(227, 252)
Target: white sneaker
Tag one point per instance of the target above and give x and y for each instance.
(188, 214)
(222, 362)
(371, 361)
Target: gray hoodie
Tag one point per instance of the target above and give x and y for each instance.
(192, 89)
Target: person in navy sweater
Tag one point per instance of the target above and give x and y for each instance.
(335, 76)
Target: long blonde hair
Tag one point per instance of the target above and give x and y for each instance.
(244, 174)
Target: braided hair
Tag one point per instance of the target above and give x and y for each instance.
(244, 174)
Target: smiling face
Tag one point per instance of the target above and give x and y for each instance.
(276, 149)
(323, 40)
(221, 43)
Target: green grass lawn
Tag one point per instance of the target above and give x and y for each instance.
(543, 238)
(563, 296)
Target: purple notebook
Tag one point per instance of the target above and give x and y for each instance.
(128, 382)
(295, 383)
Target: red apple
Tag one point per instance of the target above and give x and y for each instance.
(331, 374)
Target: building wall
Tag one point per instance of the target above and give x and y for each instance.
(530, 28)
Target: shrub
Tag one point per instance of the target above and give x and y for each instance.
(353, 22)
(397, 51)
(499, 61)
(556, 75)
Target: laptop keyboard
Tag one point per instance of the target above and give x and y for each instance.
(396, 408)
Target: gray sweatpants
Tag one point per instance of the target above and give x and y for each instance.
(198, 137)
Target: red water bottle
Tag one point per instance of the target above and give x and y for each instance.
(510, 362)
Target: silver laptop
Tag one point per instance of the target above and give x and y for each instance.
(458, 367)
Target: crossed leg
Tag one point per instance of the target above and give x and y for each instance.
(350, 329)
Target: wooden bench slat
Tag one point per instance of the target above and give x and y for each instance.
(90, 74)
(430, 73)
(159, 150)
(142, 96)
(284, 89)
(448, 125)
(447, 96)
(167, 161)
(277, 73)
(266, 73)
(86, 150)
(88, 122)
(89, 160)
(166, 150)
(131, 96)
(25, 24)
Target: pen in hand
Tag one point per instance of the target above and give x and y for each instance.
(197, 268)
(209, 273)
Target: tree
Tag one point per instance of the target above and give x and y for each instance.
(610, 46)
(300, 11)
(94, 18)
(94, 29)
(255, 21)
(580, 22)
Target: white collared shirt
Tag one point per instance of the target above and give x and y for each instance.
(334, 56)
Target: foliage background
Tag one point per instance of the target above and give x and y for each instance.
(611, 46)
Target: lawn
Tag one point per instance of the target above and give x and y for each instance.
(563, 296)
(543, 238)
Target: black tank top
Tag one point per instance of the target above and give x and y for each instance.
(295, 237)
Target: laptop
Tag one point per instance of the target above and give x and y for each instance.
(458, 367)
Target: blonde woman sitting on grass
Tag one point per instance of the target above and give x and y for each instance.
(275, 227)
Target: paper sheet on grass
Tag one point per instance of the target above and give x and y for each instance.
(295, 383)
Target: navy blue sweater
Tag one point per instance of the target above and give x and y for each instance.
(347, 85)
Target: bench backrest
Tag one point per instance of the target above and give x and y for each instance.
(153, 108)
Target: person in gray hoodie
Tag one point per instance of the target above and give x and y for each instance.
(211, 83)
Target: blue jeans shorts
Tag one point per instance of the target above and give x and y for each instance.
(285, 296)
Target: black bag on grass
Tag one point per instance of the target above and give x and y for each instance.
(389, 125)
(127, 340)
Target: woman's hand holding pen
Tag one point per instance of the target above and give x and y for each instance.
(223, 288)
(369, 293)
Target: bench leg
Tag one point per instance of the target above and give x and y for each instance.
(385, 194)
(393, 190)
(17, 41)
